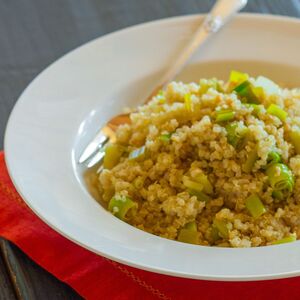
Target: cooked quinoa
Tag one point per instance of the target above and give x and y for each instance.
(210, 163)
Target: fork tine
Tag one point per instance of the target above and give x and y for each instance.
(98, 142)
(98, 157)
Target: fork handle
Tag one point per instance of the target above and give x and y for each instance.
(220, 14)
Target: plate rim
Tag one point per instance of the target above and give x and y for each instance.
(107, 255)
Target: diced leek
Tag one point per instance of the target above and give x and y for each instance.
(276, 111)
(279, 195)
(203, 179)
(280, 177)
(188, 102)
(288, 239)
(238, 77)
(251, 159)
(138, 154)
(165, 137)
(273, 157)
(268, 86)
(255, 206)
(196, 186)
(119, 206)
(222, 228)
(224, 115)
(113, 153)
(295, 139)
(161, 97)
(214, 234)
(191, 226)
(200, 195)
(236, 135)
(245, 91)
(189, 234)
(256, 108)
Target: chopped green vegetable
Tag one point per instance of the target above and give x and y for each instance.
(246, 91)
(161, 97)
(251, 159)
(165, 137)
(138, 154)
(200, 195)
(280, 177)
(113, 153)
(238, 77)
(255, 206)
(276, 111)
(222, 228)
(195, 186)
(288, 239)
(188, 102)
(256, 108)
(280, 195)
(295, 139)
(273, 157)
(214, 234)
(203, 179)
(224, 115)
(119, 206)
(236, 135)
(189, 233)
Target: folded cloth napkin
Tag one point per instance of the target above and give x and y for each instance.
(95, 277)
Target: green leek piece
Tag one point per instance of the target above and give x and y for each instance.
(268, 86)
(138, 154)
(255, 206)
(113, 153)
(200, 195)
(236, 136)
(188, 102)
(238, 77)
(295, 139)
(189, 234)
(280, 177)
(280, 195)
(276, 111)
(195, 186)
(214, 234)
(203, 179)
(246, 91)
(165, 137)
(251, 159)
(161, 97)
(119, 206)
(222, 228)
(288, 239)
(273, 157)
(256, 108)
(224, 115)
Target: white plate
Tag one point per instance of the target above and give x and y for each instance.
(63, 107)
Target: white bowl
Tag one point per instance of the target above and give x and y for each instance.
(65, 105)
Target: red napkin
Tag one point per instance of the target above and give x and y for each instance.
(95, 277)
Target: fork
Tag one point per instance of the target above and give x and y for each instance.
(221, 13)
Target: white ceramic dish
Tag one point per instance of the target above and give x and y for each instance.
(63, 107)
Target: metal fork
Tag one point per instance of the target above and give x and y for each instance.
(221, 13)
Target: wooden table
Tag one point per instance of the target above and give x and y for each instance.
(34, 33)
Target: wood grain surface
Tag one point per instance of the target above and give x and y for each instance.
(33, 34)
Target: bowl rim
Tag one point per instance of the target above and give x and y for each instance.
(8, 158)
